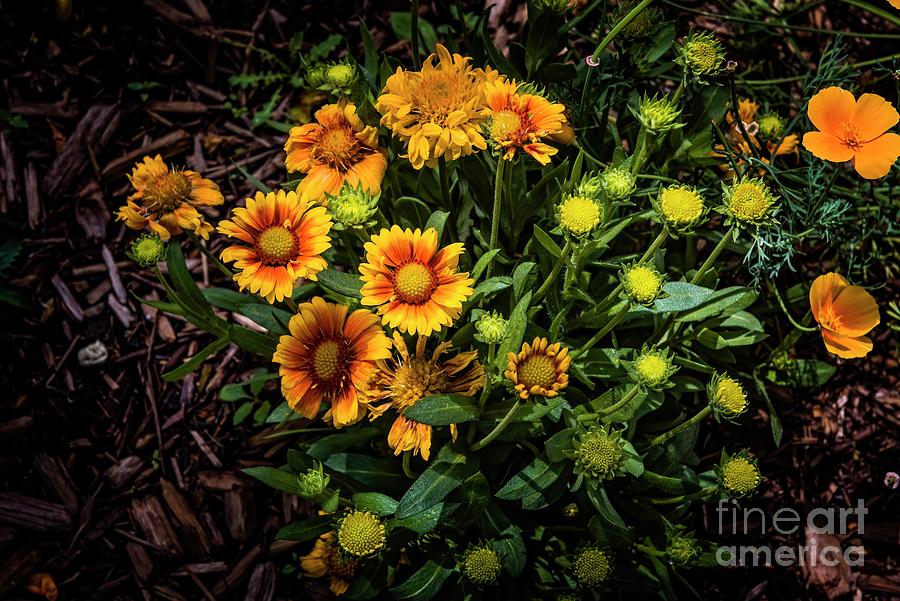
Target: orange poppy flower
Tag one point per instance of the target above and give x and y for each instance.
(845, 314)
(337, 148)
(326, 357)
(853, 130)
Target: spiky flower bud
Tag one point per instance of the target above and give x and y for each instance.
(659, 115)
(748, 202)
(681, 547)
(352, 207)
(702, 55)
(642, 283)
(591, 567)
(726, 396)
(481, 565)
(652, 368)
(361, 534)
(315, 75)
(739, 474)
(490, 328)
(557, 6)
(599, 453)
(147, 250)
(771, 125)
(618, 183)
(313, 482)
(680, 208)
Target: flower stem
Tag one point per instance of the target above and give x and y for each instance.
(662, 438)
(414, 34)
(700, 494)
(787, 313)
(621, 402)
(606, 329)
(713, 255)
(554, 273)
(445, 183)
(495, 214)
(407, 455)
(498, 429)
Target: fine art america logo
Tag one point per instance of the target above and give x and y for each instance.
(818, 549)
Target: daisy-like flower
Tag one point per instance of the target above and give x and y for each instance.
(592, 566)
(437, 111)
(538, 369)
(327, 560)
(281, 239)
(415, 286)
(845, 315)
(579, 215)
(517, 120)
(853, 130)
(726, 396)
(404, 381)
(326, 357)
(337, 148)
(165, 200)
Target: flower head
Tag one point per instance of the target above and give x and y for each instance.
(405, 380)
(327, 559)
(339, 78)
(681, 547)
(352, 208)
(739, 474)
(679, 207)
(337, 148)
(659, 115)
(579, 215)
(748, 202)
(845, 315)
(592, 566)
(652, 368)
(166, 199)
(481, 565)
(361, 534)
(147, 250)
(539, 369)
(702, 55)
(853, 130)
(415, 285)
(642, 283)
(519, 120)
(643, 25)
(618, 182)
(726, 396)
(490, 328)
(326, 357)
(437, 111)
(771, 125)
(280, 239)
(599, 453)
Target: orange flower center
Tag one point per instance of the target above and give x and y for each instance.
(537, 370)
(829, 319)
(414, 283)
(850, 136)
(504, 124)
(167, 191)
(438, 93)
(276, 245)
(327, 359)
(336, 146)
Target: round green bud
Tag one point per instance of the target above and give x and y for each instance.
(591, 567)
(739, 475)
(361, 534)
(599, 454)
(618, 182)
(147, 250)
(481, 565)
(642, 283)
(313, 482)
(490, 328)
(340, 75)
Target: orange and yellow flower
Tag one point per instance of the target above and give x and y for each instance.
(165, 200)
(845, 314)
(326, 357)
(282, 238)
(415, 286)
(337, 148)
(437, 111)
(853, 130)
(747, 110)
(403, 382)
(539, 369)
(516, 120)
(326, 559)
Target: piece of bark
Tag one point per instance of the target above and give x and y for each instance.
(141, 561)
(90, 135)
(32, 196)
(34, 514)
(215, 535)
(171, 143)
(193, 534)
(67, 298)
(237, 573)
(16, 568)
(220, 480)
(91, 211)
(832, 580)
(120, 473)
(240, 513)
(16, 425)
(122, 312)
(150, 516)
(9, 173)
(262, 583)
(208, 567)
(57, 479)
(114, 278)
(177, 106)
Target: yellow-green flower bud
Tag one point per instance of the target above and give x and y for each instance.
(652, 368)
(491, 328)
(642, 26)
(315, 75)
(748, 202)
(702, 55)
(352, 207)
(771, 125)
(481, 565)
(680, 208)
(599, 453)
(361, 534)
(642, 283)
(557, 6)
(313, 482)
(681, 549)
(618, 182)
(659, 115)
(340, 75)
(726, 396)
(739, 475)
(592, 566)
(579, 215)
(147, 250)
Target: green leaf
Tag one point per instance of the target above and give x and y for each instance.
(801, 373)
(305, 530)
(482, 263)
(186, 288)
(195, 361)
(530, 483)
(274, 477)
(376, 502)
(546, 241)
(437, 220)
(255, 342)
(242, 413)
(223, 298)
(424, 584)
(523, 277)
(515, 330)
(424, 521)
(507, 539)
(375, 472)
(443, 410)
(273, 319)
(337, 443)
(233, 392)
(340, 282)
(443, 476)
(371, 55)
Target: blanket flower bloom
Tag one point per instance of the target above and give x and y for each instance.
(403, 382)
(538, 369)
(437, 111)
(517, 120)
(326, 357)
(415, 286)
(853, 130)
(337, 148)
(326, 559)
(281, 239)
(845, 315)
(165, 200)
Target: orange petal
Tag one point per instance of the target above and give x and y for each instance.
(830, 108)
(827, 147)
(874, 159)
(846, 347)
(857, 310)
(873, 116)
(823, 291)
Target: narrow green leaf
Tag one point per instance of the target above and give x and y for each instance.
(195, 361)
(274, 477)
(515, 330)
(376, 502)
(345, 284)
(546, 241)
(444, 475)
(424, 584)
(186, 288)
(482, 263)
(443, 410)
(306, 529)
